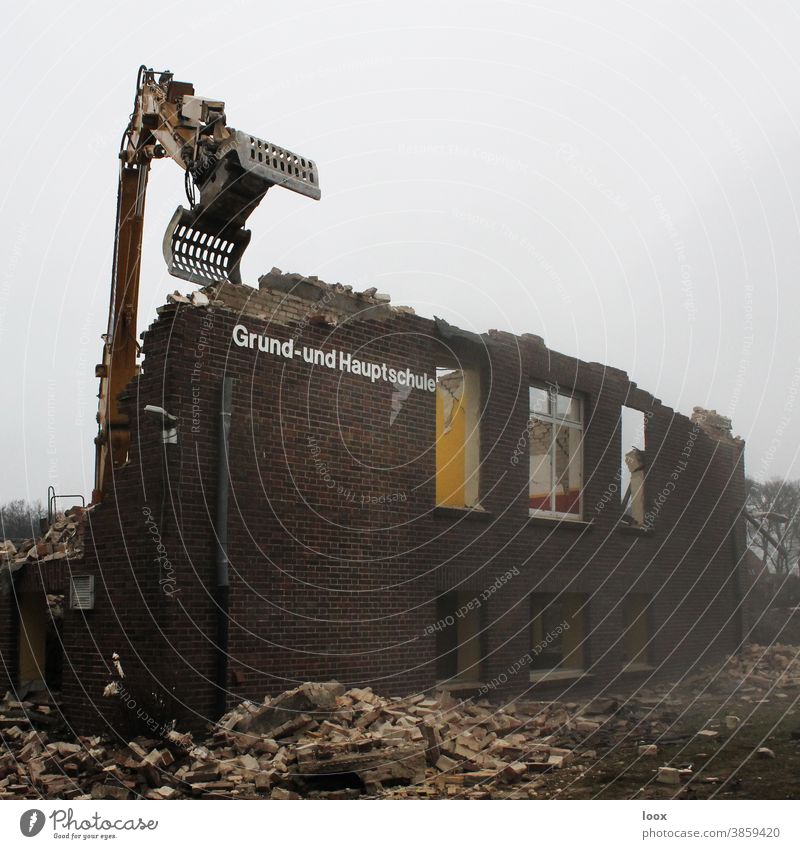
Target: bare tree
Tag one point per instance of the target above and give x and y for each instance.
(774, 529)
(19, 519)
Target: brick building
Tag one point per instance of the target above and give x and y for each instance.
(407, 503)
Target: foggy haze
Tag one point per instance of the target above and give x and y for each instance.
(621, 179)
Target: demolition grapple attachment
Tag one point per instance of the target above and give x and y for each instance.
(201, 249)
(205, 244)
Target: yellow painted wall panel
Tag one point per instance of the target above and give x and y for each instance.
(450, 458)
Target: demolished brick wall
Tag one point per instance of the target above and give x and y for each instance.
(341, 581)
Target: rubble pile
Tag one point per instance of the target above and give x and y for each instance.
(37, 710)
(759, 669)
(63, 539)
(322, 741)
(753, 674)
(329, 302)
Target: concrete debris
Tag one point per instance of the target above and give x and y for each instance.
(62, 540)
(313, 289)
(320, 740)
(714, 425)
(315, 741)
(35, 710)
(303, 299)
(195, 298)
(759, 671)
(117, 665)
(668, 775)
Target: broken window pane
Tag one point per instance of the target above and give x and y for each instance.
(540, 401)
(568, 407)
(541, 483)
(568, 470)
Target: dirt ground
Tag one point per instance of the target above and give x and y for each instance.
(727, 731)
(724, 767)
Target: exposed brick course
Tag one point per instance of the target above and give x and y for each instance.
(337, 551)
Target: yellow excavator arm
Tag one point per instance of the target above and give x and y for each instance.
(228, 172)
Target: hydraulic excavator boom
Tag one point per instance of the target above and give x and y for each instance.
(231, 172)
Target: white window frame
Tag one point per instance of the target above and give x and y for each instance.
(551, 417)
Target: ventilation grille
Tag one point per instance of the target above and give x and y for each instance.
(81, 592)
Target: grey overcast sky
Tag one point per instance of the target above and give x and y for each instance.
(620, 178)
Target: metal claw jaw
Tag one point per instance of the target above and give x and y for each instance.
(205, 244)
(201, 250)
